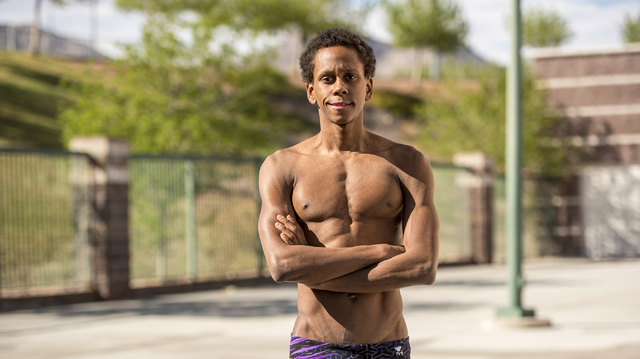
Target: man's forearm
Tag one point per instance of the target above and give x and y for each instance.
(398, 272)
(307, 264)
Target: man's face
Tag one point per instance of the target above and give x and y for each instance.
(339, 87)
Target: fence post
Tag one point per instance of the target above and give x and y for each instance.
(190, 218)
(480, 187)
(258, 164)
(109, 218)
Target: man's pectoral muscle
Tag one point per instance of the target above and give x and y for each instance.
(303, 263)
(416, 265)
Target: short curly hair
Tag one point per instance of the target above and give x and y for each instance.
(337, 37)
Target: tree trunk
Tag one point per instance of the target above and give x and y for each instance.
(93, 25)
(416, 70)
(34, 41)
(434, 68)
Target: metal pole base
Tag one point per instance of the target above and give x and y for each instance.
(516, 317)
(515, 312)
(516, 322)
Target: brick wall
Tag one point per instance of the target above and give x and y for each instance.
(599, 94)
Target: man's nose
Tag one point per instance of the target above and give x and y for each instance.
(339, 88)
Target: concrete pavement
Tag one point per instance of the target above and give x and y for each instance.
(594, 307)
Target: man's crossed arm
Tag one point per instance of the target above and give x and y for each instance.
(360, 269)
(289, 258)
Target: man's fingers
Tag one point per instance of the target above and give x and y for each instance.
(286, 231)
(286, 239)
(289, 222)
(290, 227)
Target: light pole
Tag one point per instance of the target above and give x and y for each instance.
(514, 313)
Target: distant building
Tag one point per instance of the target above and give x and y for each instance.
(598, 210)
(17, 38)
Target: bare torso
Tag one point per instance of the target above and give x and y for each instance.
(344, 200)
(337, 207)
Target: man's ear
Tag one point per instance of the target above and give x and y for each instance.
(311, 95)
(369, 89)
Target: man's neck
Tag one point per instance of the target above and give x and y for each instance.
(350, 137)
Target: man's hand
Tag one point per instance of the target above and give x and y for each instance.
(290, 231)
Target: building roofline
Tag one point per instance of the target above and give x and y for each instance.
(564, 52)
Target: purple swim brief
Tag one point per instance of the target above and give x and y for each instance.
(302, 348)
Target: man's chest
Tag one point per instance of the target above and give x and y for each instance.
(363, 187)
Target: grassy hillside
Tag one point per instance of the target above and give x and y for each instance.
(30, 99)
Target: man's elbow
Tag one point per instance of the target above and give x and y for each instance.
(427, 273)
(280, 269)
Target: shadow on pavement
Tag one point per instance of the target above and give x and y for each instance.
(244, 308)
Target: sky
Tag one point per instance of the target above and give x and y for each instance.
(595, 23)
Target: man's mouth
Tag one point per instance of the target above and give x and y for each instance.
(339, 105)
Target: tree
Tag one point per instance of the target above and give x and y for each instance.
(34, 40)
(437, 24)
(199, 95)
(544, 28)
(170, 97)
(631, 28)
(257, 15)
(473, 120)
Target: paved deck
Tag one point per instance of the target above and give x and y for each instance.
(594, 307)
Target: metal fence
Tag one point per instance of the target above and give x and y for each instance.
(193, 218)
(44, 199)
(451, 199)
(538, 219)
(190, 219)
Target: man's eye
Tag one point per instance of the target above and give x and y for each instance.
(351, 77)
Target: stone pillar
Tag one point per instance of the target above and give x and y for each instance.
(480, 185)
(109, 226)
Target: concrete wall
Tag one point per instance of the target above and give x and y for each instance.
(17, 38)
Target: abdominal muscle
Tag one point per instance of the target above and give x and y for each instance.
(363, 318)
(353, 318)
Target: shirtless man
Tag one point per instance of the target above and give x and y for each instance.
(347, 214)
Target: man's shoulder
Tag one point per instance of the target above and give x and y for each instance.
(397, 153)
(282, 163)
(286, 155)
(407, 159)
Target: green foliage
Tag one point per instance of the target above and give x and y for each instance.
(256, 15)
(544, 28)
(473, 119)
(398, 104)
(631, 28)
(433, 23)
(172, 97)
(30, 99)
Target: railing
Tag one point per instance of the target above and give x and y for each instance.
(44, 227)
(451, 199)
(193, 219)
(537, 220)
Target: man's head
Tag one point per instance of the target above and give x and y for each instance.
(337, 37)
